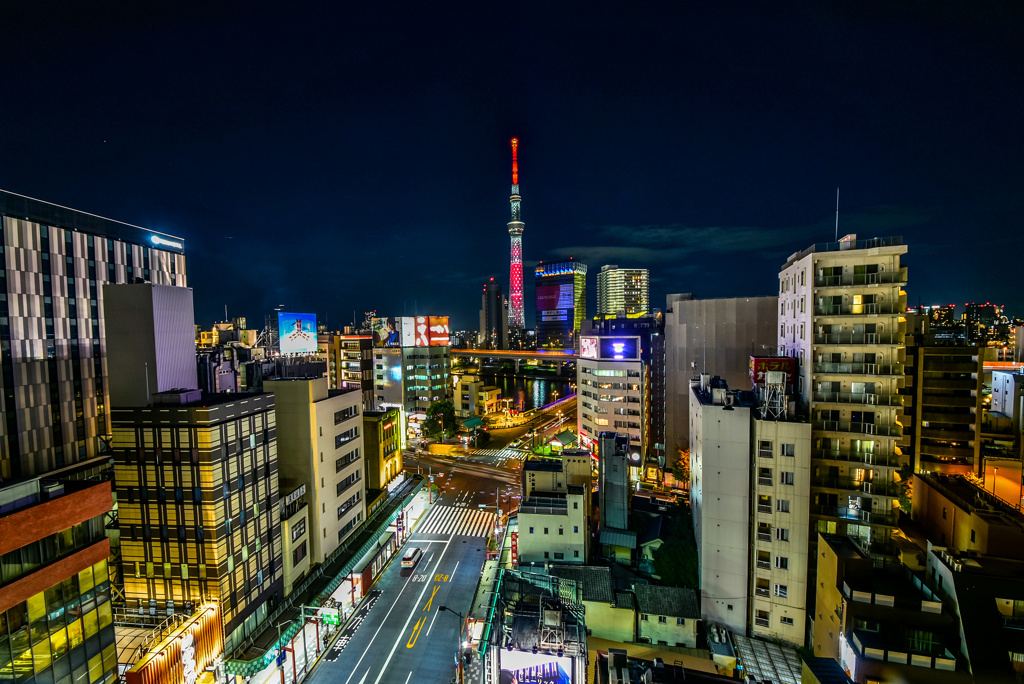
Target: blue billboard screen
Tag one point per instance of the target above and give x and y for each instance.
(619, 348)
(296, 332)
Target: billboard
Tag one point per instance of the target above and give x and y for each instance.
(759, 365)
(407, 327)
(555, 297)
(296, 333)
(387, 332)
(439, 333)
(619, 348)
(588, 347)
(524, 666)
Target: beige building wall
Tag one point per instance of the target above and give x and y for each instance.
(295, 534)
(782, 502)
(320, 443)
(606, 621)
(552, 533)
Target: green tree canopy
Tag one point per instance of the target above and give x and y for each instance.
(441, 422)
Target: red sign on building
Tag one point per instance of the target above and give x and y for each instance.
(515, 549)
(759, 365)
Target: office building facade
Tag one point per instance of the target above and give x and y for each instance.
(56, 618)
(841, 309)
(561, 289)
(382, 438)
(623, 291)
(52, 332)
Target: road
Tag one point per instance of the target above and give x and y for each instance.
(401, 636)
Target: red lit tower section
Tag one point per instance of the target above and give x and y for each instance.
(515, 232)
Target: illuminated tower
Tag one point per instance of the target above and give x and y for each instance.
(515, 232)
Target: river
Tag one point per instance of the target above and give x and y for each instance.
(529, 392)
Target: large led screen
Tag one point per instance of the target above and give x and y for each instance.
(555, 297)
(408, 330)
(421, 331)
(619, 348)
(296, 332)
(523, 666)
(387, 332)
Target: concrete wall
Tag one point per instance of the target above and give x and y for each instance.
(672, 633)
(605, 621)
(720, 336)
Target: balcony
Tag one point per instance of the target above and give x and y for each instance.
(764, 509)
(850, 485)
(763, 591)
(764, 565)
(845, 513)
(764, 481)
(859, 368)
(867, 458)
(861, 398)
(858, 338)
(764, 536)
(869, 309)
(853, 279)
(761, 622)
(858, 428)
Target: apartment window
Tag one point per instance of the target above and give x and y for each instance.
(782, 506)
(781, 534)
(561, 531)
(545, 530)
(764, 449)
(788, 450)
(786, 478)
(782, 330)
(576, 529)
(782, 563)
(662, 619)
(575, 505)
(559, 556)
(575, 554)
(546, 555)
(299, 553)
(781, 590)
(972, 536)
(786, 621)
(680, 622)
(531, 530)
(643, 618)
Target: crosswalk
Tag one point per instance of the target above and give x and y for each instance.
(454, 520)
(499, 456)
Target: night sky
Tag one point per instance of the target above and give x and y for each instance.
(341, 158)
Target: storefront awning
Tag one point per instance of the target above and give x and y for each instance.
(472, 423)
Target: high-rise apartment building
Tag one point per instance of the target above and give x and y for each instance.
(561, 289)
(623, 291)
(841, 309)
(493, 332)
(320, 439)
(52, 335)
(713, 336)
(620, 379)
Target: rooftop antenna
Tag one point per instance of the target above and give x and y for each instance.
(837, 213)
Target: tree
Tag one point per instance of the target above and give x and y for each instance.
(675, 561)
(681, 467)
(441, 422)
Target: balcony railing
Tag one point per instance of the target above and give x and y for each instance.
(851, 485)
(851, 279)
(764, 565)
(862, 398)
(765, 481)
(858, 428)
(764, 536)
(761, 622)
(763, 591)
(845, 513)
(764, 509)
(860, 368)
(868, 458)
(857, 338)
(869, 309)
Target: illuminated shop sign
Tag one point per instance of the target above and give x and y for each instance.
(183, 654)
(296, 332)
(588, 347)
(157, 240)
(620, 348)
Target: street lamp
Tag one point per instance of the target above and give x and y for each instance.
(462, 644)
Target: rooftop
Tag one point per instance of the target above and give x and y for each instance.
(846, 245)
(595, 581)
(680, 602)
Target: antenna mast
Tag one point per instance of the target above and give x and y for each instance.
(837, 213)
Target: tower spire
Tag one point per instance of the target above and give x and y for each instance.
(515, 232)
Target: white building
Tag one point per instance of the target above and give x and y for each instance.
(750, 493)
(720, 437)
(623, 291)
(553, 510)
(320, 444)
(841, 311)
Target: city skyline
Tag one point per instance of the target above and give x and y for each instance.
(703, 144)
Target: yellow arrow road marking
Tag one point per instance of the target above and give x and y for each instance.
(415, 633)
